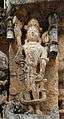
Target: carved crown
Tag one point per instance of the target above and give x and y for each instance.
(33, 22)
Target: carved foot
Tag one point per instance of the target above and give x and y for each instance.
(31, 111)
(39, 112)
(45, 80)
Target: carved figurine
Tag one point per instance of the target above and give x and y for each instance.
(35, 59)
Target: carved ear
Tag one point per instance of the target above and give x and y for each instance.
(26, 27)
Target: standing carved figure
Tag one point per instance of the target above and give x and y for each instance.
(36, 56)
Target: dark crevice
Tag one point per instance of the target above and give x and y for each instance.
(2, 3)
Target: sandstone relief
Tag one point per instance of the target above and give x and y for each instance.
(29, 71)
(34, 55)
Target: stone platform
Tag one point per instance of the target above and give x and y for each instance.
(30, 116)
(54, 114)
(26, 116)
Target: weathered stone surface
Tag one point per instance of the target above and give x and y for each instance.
(4, 85)
(3, 61)
(14, 69)
(3, 45)
(28, 116)
(29, 1)
(54, 115)
(61, 66)
(52, 88)
(51, 70)
(33, 54)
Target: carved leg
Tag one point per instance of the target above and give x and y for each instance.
(34, 92)
(30, 110)
(38, 111)
(42, 90)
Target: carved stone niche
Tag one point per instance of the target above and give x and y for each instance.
(33, 93)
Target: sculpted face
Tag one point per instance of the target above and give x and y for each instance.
(33, 22)
(33, 34)
(33, 30)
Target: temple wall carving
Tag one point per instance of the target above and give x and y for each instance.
(34, 47)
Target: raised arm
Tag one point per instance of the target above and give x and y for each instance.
(43, 61)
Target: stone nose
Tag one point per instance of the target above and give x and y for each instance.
(32, 33)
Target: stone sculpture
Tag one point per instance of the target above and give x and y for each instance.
(34, 56)
(14, 105)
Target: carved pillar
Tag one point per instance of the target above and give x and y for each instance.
(10, 30)
(14, 48)
(53, 66)
(61, 69)
(53, 35)
(52, 70)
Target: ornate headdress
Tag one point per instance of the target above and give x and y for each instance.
(33, 22)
